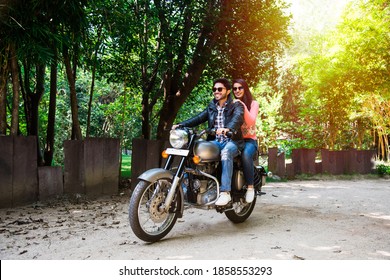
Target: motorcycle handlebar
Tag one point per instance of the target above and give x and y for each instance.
(212, 131)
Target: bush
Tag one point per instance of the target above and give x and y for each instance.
(383, 169)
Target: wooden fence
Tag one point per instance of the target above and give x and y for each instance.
(147, 154)
(18, 170)
(331, 162)
(92, 167)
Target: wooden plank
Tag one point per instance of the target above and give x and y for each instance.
(51, 182)
(272, 160)
(6, 171)
(111, 166)
(25, 170)
(74, 177)
(93, 165)
(281, 165)
(138, 160)
(304, 161)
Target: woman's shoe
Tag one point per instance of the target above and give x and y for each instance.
(250, 195)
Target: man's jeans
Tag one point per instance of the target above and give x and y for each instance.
(228, 151)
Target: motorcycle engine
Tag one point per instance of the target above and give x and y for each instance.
(208, 167)
(207, 191)
(201, 190)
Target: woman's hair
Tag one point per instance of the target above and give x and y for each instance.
(247, 98)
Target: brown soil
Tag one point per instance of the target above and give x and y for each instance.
(317, 220)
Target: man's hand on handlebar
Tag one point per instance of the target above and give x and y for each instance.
(223, 131)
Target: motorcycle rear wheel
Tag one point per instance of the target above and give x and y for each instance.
(240, 211)
(148, 222)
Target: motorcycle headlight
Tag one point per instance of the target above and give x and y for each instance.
(178, 138)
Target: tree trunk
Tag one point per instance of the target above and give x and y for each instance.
(90, 100)
(32, 99)
(177, 88)
(40, 90)
(93, 81)
(3, 90)
(76, 130)
(145, 116)
(50, 132)
(15, 88)
(175, 99)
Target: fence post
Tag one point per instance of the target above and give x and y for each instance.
(6, 171)
(25, 170)
(146, 154)
(304, 161)
(74, 173)
(51, 182)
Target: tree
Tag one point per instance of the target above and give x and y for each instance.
(6, 46)
(15, 86)
(163, 48)
(158, 52)
(31, 31)
(180, 78)
(255, 34)
(346, 79)
(366, 24)
(236, 37)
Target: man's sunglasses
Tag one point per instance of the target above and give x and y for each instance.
(238, 88)
(219, 89)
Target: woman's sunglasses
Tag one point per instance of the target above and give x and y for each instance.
(238, 88)
(219, 89)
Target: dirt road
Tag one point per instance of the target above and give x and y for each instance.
(315, 220)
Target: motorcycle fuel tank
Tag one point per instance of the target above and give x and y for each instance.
(206, 150)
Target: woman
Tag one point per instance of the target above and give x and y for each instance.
(251, 109)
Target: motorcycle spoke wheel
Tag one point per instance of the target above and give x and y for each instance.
(148, 220)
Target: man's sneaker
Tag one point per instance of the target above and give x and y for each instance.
(223, 199)
(250, 195)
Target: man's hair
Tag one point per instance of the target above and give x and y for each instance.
(225, 82)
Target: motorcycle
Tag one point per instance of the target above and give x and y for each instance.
(191, 176)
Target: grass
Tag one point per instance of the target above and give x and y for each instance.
(126, 166)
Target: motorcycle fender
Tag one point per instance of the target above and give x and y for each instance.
(154, 174)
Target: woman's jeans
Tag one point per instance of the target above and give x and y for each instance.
(228, 151)
(247, 160)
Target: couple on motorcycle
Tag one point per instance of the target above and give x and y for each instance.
(234, 123)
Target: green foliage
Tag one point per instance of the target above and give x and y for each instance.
(345, 81)
(383, 169)
(255, 33)
(196, 102)
(334, 93)
(268, 118)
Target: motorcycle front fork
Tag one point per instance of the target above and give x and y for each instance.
(175, 183)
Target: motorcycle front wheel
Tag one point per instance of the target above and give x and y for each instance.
(241, 211)
(148, 220)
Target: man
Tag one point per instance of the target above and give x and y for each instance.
(223, 115)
